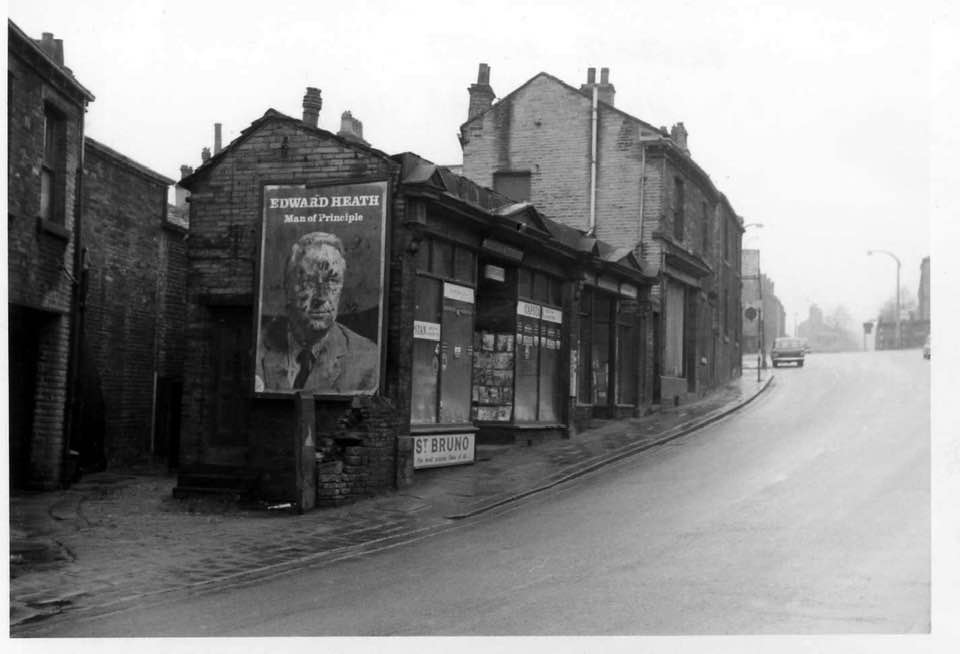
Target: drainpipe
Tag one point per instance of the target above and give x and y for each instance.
(643, 186)
(593, 164)
(77, 301)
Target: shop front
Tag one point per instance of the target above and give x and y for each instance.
(611, 345)
(488, 322)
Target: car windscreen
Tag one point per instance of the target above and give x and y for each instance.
(787, 343)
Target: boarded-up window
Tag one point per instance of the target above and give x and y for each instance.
(514, 185)
(232, 342)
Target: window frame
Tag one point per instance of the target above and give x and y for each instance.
(678, 209)
(53, 166)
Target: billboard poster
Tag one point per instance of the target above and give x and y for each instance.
(320, 299)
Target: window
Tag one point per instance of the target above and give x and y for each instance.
(53, 167)
(726, 312)
(726, 240)
(627, 362)
(538, 394)
(585, 337)
(705, 245)
(678, 209)
(514, 185)
(443, 334)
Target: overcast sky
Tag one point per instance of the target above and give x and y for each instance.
(812, 117)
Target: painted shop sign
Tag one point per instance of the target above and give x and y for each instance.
(436, 450)
(427, 331)
(528, 309)
(553, 315)
(321, 288)
(457, 292)
(496, 273)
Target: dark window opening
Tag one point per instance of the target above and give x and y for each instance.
(678, 209)
(53, 167)
(514, 185)
(706, 230)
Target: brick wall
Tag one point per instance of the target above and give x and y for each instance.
(40, 256)
(127, 259)
(225, 211)
(544, 127)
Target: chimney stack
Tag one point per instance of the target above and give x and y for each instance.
(312, 104)
(52, 47)
(205, 155)
(481, 94)
(678, 133)
(181, 194)
(217, 137)
(605, 90)
(351, 128)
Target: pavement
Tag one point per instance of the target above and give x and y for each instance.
(119, 538)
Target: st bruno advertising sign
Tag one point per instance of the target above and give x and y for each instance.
(320, 299)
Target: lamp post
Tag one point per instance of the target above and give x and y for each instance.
(761, 359)
(897, 336)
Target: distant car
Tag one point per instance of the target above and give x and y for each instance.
(926, 348)
(788, 349)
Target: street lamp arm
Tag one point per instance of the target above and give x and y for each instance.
(899, 333)
(886, 252)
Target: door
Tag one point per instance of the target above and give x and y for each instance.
(24, 349)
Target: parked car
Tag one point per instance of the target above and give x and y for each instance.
(926, 348)
(788, 349)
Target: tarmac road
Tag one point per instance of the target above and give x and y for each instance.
(808, 512)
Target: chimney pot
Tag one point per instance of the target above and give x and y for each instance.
(604, 75)
(483, 75)
(591, 76)
(205, 155)
(217, 137)
(185, 171)
(351, 128)
(312, 104)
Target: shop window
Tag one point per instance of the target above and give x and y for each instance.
(53, 167)
(517, 350)
(600, 354)
(426, 352)
(584, 338)
(514, 185)
(443, 340)
(627, 362)
(494, 346)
